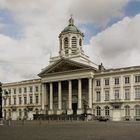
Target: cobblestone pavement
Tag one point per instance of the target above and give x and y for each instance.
(71, 131)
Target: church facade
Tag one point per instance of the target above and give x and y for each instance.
(72, 84)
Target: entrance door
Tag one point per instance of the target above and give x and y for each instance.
(116, 115)
(74, 108)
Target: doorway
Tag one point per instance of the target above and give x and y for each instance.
(74, 108)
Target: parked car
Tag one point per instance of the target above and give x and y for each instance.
(103, 118)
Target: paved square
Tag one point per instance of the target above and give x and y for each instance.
(72, 131)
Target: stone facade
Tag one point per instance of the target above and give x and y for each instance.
(72, 84)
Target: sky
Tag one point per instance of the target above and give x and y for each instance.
(29, 31)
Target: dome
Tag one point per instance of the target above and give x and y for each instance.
(71, 28)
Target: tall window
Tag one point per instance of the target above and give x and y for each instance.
(98, 82)
(19, 90)
(106, 95)
(36, 111)
(106, 111)
(106, 82)
(127, 94)
(25, 100)
(66, 42)
(14, 100)
(137, 79)
(127, 110)
(9, 91)
(9, 111)
(117, 81)
(137, 93)
(80, 42)
(98, 96)
(36, 88)
(31, 89)
(31, 99)
(14, 90)
(20, 100)
(36, 99)
(25, 113)
(98, 111)
(137, 110)
(116, 94)
(25, 89)
(74, 42)
(127, 80)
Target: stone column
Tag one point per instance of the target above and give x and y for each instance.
(43, 97)
(70, 111)
(79, 111)
(59, 111)
(89, 95)
(51, 100)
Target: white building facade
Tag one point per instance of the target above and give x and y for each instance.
(72, 84)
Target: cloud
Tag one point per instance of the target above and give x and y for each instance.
(41, 21)
(118, 45)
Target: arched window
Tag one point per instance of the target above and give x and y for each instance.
(137, 110)
(80, 42)
(98, 111)
(66, 42)
(127, 110)
(106, 111)
(74, 42)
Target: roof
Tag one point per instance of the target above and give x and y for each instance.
(71, 28)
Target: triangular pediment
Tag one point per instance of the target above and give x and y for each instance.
(64, 65)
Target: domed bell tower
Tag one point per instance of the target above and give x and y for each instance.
(71, 40)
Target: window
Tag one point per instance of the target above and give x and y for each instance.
(25, 89)
(98, 111)
(36, 99)
(137, 93)
(19, 90)
(9, 91)
(127, 94)
(31, 99)
(14, 90)
(20, 100)
(25, 100)
(36, 111)
(117, 81)
(36, 88)
(9, 112)
(66, 42)
(106, 111)
(127, 110)
(107, 95)
(127, 80)
(98, 83)
(4, 101)
(74, 42)
(80, 42)
(9, 100)
(14, 100)
(137, 110)
(25, 113)
(98, 96)
(31, 89)
(137, 79)
(116, 94)
(106, 82)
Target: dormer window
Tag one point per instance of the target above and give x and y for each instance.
(80, 42)
(74, 42)
(66, 42)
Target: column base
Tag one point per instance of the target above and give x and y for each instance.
(59, 112)
(50, 112)
(89, 111)
(69, 111)
(79, 111)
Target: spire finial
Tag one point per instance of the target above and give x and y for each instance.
(71, 20)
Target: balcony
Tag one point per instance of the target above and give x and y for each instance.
(116, 103)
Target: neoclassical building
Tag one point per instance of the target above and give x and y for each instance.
(72, 84)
